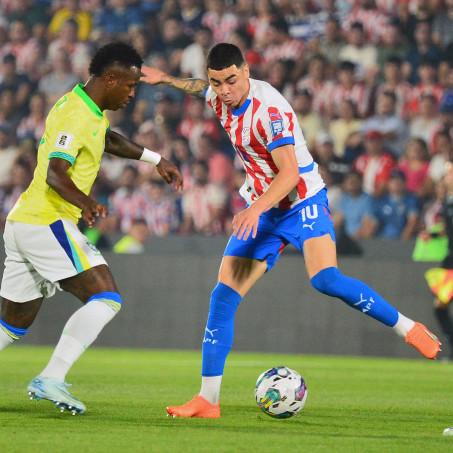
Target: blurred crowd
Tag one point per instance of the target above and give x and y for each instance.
(371, 82)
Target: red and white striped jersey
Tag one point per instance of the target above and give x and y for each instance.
(263, 123)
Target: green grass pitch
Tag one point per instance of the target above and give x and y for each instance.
(354, 405)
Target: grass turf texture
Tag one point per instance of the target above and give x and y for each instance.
(354, 404)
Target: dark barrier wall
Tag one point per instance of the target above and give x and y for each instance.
(166, 294)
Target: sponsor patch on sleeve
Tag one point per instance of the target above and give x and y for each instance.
(276, 121)
(64, 140)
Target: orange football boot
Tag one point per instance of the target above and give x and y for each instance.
(423, 340)
(197, 407)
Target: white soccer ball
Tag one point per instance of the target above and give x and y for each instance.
(281, 392)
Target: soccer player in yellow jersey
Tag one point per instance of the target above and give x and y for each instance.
(44, 248)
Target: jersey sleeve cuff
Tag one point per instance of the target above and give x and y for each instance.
(280, 142)
(59, 155)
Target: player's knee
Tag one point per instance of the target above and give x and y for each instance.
(111, 298)
(14, 333)
(325, 281)
(224, 302)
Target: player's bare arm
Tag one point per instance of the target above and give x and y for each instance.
(59, 180)
(120, 146)
(154, 76)
(246, 221)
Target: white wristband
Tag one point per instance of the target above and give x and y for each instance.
(150, 156)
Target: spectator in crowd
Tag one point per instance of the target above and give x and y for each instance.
(71, 10)
(60, 79)
(134, 241)
(174, 41)
(191, 16)
(388, 123)
(325, 156)
(221, 22)
(18, 180)
(443, 26)
(414, 165)
(375, 164)
(21, 45)
(427, 84)
(279, 45)
(344, 126)
(195, 123)
(203, 205)
(78, 52)
(354, 213)
(128, 202)
(115, 20)
(394, 81)
(425, 124)
(317, 84)
(182, 158)
(443, 149)
(310, 122)
(331, 42)
(446, 113)
(10, 115)
(32, 126)
(397, 211)
(393, 44)
(347, 87)
(407, 19)
(357, 51)
(194, 56)
(29, 11)
(161, 213)
(11, 80)
(423, 49)
(374, 21)
(220, 166)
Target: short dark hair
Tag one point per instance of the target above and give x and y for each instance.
(357, 26)
(224, 55)
(115, 52)
(346, 66)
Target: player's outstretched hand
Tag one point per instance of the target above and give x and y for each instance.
(92, 211)
(170, 173)
(152, 76)
(246, 222)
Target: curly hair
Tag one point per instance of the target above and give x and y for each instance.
(115, 52)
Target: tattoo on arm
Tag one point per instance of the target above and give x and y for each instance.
(195, 87)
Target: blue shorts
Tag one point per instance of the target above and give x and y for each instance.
(278, 228)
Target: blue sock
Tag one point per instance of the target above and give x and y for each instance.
(332, 282)
(218, 337)
(14, 333)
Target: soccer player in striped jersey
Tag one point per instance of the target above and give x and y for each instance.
(287, 204)
(44, 248)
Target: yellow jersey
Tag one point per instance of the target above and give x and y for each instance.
(75, 131)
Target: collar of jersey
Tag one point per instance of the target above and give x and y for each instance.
(88, 101)
(240, 110)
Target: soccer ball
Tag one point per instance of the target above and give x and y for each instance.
(280, 392)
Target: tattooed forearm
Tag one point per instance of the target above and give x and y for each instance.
(195, 87)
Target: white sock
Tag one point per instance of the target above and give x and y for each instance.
(5, 339)
(403, 325)
(210, 388)
(80, 331)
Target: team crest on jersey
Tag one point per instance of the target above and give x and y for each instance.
(276, 121)
(63, 140)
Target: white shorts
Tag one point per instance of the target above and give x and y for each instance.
(38, 256)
